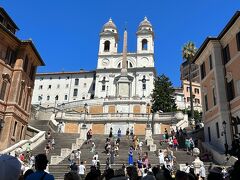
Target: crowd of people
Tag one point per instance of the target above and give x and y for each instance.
(138, 167)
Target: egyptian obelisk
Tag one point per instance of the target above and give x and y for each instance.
(123, 82)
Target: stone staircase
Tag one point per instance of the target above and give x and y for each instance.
(59, 170)
(42, 125)
(62, 140)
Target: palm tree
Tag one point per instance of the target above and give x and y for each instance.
(188, 52)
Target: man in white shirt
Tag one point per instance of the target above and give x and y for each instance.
(81, 171)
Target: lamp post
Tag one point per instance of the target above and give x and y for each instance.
(224, 124)
(148, 108)
(85, 114)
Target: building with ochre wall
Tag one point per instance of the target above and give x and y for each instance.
(18, 63)
(219, 62)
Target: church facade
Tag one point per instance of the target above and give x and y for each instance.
(101, 83)
(117, 94)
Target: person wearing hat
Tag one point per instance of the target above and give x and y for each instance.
(10, 167)
(40, 165)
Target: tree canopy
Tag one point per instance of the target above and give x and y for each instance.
(163, 95)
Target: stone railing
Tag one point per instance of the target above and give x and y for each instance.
(34, 142)
(160, 117)
(65, 152)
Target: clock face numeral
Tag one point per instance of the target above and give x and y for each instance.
(105, 62)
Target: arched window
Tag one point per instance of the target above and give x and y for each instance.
(130, 65)
(144, 44)
(106, 46)
(3, 90)
(119, 65)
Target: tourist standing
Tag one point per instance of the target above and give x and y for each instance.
(78, 155)
(93, 148)
(112, 156)
(127, 132)
(161, 157)
(130, 156)
(166, 134)
(72, 158)
(175, 143)
(110, 133)
(81, 170)
(119, 133)
(40, 166)
(187, 144)
(131, 131)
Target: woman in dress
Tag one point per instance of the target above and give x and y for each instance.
(130, 156)
(110, 134)
(161, 157)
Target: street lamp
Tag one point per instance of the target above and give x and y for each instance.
(224, 124)
(85, 114)
(148, 108)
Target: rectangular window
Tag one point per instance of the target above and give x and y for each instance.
(76, 82)
(144, 86)
(238, 41)
(188, 99)
(39, 98)
(230, 90)
(196, 90)
(21, 133)
(58, 86)
(217, 128)
(41, 86)
(206, 102)
(49, 86)
(103, 87)
(9, 59)
(25, 65)
(32, 72)
(188, 89)
(214, 97)
(197, 101)
(3, 90)
(226, 54)
(20, 95)
(65, 97)
(209, 134)
(203, 71)
(14, 128)
(48, 98)
(210, 62)
(75, 92)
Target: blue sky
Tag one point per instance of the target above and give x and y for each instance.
(66, 32)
